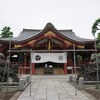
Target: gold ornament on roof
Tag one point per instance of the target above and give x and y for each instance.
(80, 46)
(17, 45)
(67, 42)
(50, 33)
(31, 42)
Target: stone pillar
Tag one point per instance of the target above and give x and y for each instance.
(81, 82)
(70, 78)
(28, 78)
(65, 68)
(21, 84)
(33, 70)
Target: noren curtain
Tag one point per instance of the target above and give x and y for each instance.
(45, 57)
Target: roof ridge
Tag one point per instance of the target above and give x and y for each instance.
(65, 30)
(24, 29)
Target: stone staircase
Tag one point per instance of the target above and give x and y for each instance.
(56, 71)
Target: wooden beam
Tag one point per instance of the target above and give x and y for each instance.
(76, 50)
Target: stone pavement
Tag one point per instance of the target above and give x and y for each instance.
(51, 87)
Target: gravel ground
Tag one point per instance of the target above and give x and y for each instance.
(94, 92)
(6, 96)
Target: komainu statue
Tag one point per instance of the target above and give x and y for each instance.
(7, 69)
(89, 70)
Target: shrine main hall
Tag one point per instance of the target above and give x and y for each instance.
(47, 50)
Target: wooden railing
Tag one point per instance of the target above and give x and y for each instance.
(25, 68)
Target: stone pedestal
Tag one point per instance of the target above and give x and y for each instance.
(70, 78)
(28, 78)
(21, 84)
(81, 82)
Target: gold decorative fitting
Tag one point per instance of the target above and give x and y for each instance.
(50, 33)
(67, 42)
(32, 42)
(18, 46)
(80, 46)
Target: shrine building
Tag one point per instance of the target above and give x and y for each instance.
(47, 51)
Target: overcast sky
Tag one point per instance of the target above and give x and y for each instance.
(78, 15)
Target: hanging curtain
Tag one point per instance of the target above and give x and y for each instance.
(52, 57)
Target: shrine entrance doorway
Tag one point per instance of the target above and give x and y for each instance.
(49, 68)
(49, 63)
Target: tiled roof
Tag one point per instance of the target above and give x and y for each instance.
(29, 33)
(70, 34)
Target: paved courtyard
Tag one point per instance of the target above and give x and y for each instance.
(51, 87)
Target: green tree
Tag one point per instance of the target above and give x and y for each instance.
(96, 29)
(6, 33)
(96, 26)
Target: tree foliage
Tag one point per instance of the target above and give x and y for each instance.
(96, 29)
(96, 26)
(6, 33)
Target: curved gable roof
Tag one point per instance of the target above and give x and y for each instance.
(70, 34)
(27, 34)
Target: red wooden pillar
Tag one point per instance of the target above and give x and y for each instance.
(72, 70)
(65, 68)
(33, 69)
(25, 59)
(24, 70)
